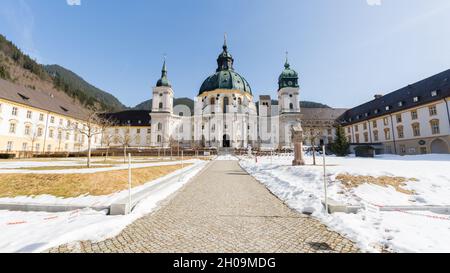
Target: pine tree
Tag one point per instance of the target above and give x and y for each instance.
(340, 146)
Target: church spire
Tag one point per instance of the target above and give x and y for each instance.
(286, 63)
(163, 81)
(225, 47)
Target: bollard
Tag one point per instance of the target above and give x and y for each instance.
(325, 180)
(129, 183)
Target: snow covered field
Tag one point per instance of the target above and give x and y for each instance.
(38, 231)
(301, 188)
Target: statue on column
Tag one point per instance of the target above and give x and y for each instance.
(297, 140)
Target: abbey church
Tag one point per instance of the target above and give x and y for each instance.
(225, 113)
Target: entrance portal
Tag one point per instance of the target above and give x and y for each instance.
(226, 141)
(438, 146)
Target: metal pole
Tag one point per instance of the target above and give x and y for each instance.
(325, 180)
(271, 152)
(182, 154)
(129, 182)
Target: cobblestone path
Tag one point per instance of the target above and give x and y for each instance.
(222, 210)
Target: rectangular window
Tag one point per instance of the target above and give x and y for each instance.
(400, 132)
(374, 123)
(435, 127)
(348, 130)
(27, 130)
(399, 118)
(402, 149)
(38, 147)
(52, 119)
(414, 114)
(9, 146)
(433, 111)
(14, 111)
(138, 131)
(41, 117)
(375, 136)
(387, 134)
(366, 137)
(24, 146)
(39, 132)
(386, 121)
(356, 128)
(357, 138)
(365, 126)
(29, 114)
(149, 131)
(416, 129)
(67, 136)
(12, 128)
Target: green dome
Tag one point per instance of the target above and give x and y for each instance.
(225, 76)
(225, 79)
(288, 78)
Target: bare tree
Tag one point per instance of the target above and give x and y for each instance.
(312, 134)
(33, 136)
(108, 138)
(125, 140)
(93, 124)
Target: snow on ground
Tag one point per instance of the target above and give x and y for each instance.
(17, 166)
(301, 187)
(38, 231)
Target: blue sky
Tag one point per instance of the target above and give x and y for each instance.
(344, 51)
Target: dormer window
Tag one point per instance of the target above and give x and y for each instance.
(400, 103)
(366, 115)
(415, 99)
(64, 109)
(376, 111)
(434, 93)
(357, 117)
(388, 108)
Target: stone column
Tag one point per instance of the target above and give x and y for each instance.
(297, 139)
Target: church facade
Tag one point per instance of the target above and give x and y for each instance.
(225, 113)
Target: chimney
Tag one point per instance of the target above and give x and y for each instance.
(378, 96)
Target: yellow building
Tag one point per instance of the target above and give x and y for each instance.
(40, 122)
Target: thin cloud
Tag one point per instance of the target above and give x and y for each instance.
(374, 2)
(74, 2)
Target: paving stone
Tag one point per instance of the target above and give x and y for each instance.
(222, 210)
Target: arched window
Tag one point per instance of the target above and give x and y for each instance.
(160, 105)
(159, 126)
(291, 106)
(159, 139)
(225, 104)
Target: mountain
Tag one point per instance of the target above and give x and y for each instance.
(75, 82)
(21, 69)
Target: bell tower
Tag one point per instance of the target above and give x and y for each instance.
(162, 111)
